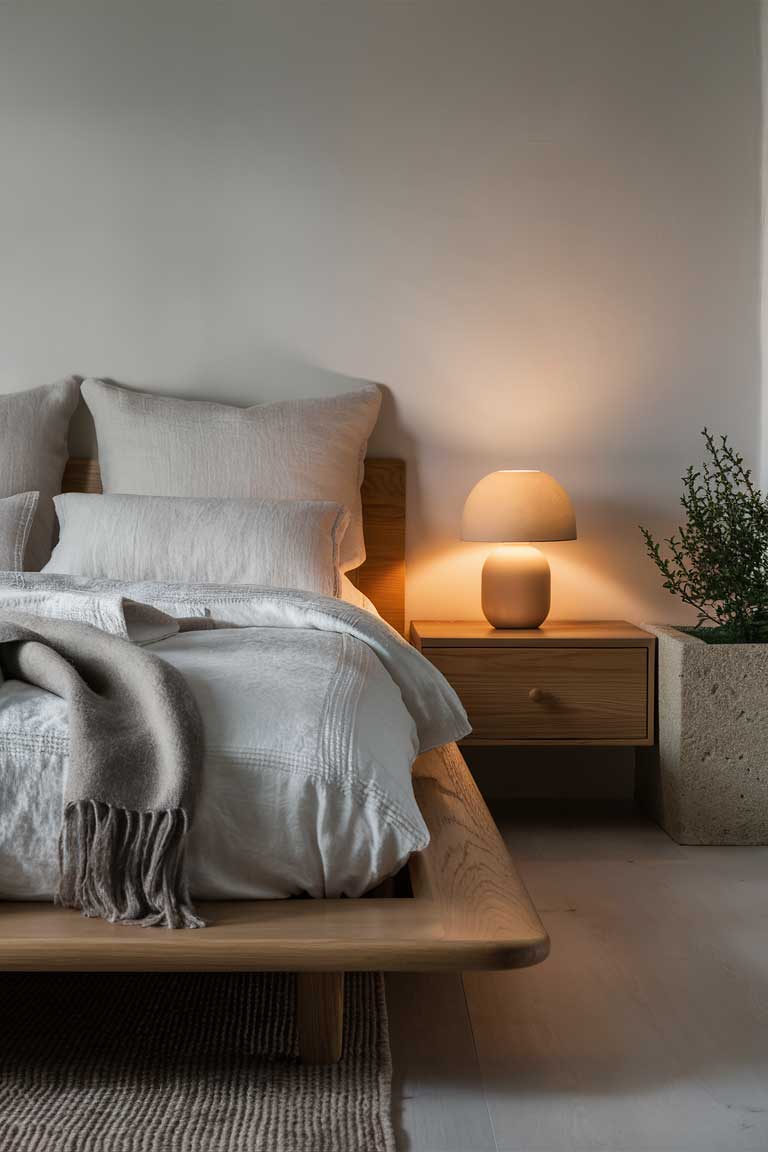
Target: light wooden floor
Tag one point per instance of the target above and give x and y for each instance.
(645, 1031)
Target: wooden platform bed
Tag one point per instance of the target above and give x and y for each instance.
(464, 904)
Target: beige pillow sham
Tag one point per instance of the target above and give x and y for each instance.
(33, 452)
(291, 450)
(17, 514)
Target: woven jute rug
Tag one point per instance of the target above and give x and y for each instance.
(95, 1062)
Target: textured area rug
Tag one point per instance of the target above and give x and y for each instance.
(94, 1062)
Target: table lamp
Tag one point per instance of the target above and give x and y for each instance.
(517, 506)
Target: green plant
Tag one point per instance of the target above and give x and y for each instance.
(718, 561)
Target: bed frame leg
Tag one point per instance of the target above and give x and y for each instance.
(320, 1016)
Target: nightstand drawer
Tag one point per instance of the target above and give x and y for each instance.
(550, 694)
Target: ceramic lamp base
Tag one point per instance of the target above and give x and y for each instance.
(516, 587)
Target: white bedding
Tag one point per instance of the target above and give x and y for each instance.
(313, 711)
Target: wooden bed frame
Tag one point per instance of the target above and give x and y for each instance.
(466, 908)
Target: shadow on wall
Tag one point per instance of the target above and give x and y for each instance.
(274, 378)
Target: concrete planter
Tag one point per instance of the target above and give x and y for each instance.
(708, 782)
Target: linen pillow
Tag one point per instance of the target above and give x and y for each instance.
(33, 452)
(17, 514)
(290, 450)
(281, 543)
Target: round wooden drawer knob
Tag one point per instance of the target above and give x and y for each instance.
(537, 695)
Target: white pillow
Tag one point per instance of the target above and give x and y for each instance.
(280, 543)
(291, 450)
(16, 516)
(33, 452)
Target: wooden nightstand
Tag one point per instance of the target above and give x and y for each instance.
(562, 684)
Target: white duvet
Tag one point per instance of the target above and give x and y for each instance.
(313, 710)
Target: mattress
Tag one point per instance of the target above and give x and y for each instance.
(313, 711)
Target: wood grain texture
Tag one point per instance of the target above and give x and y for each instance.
(557, 633)
(81, 475)
(467, 871)
(320, 1016)
(382, 577)
(470, 910)
(581, 683)
(578, 693)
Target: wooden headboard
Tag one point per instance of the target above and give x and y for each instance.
(382, 576)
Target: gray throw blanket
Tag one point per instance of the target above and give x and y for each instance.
(136, 750)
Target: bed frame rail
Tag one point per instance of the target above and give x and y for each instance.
(469, 909)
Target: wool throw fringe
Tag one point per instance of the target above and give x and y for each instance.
(136, 753)
(125, 867)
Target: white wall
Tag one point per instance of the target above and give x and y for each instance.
(537, 222)
(764, 245)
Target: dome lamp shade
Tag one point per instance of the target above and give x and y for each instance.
(515, 507)
(518, 506)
